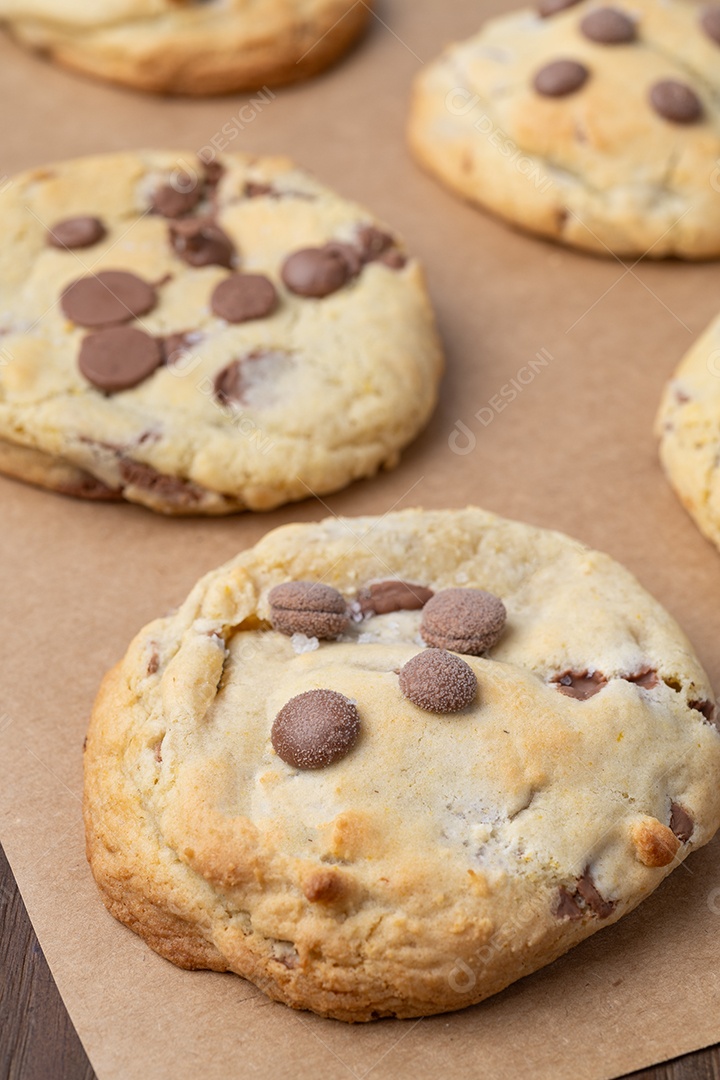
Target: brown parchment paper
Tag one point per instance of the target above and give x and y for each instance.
(573, 451)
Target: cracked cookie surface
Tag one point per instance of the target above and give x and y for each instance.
(366, 826)
(688, 426)
(190, 46)
(151, 349)
(594, 125)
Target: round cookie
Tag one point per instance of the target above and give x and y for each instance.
(204, 338)
(190, 46)
(688, 426)
(368, 826)
(597, 125)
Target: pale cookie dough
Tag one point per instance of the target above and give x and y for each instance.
(365, 826)
(204, 338)
(595, 125)
(688, 426)
(190, 46)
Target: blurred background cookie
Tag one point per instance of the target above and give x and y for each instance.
(595, 125)
(688, 426)
(190, 46)
(204, 338)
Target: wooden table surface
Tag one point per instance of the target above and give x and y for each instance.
(38, 1040)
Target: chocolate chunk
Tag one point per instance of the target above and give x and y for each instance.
(233, 382)
(588, 891)
(254, 190)
(182, 494)
(647, 679)
(681, 823)
(174, 345)
(243, 297)
(707, 708)
(394, 259)
(382, 597)
(174, 202)
(675, 101)
(201, 242)
(579, 684)
(438, 681)
(546, 8)
(315, 729)
(710, 22)
(76, 232)
(318, 272)
(463, 620)
(308, 607)
(214, 172)
(119, 358)
(608, 26)
(111, 296)
(567, 906)
(86, 486)
(229, 384)
(559, 78)
(373, 242)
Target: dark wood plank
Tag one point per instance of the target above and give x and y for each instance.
(38, 1041)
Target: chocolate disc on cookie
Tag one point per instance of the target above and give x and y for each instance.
(108, 297)
(119, 358)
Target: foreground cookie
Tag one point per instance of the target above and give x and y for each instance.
(595, 125)
(384, 767)
(190, 46)
(204, 338)
(688, 426)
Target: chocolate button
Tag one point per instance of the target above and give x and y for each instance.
(119, 358)
(200, 242)
(608, 26)
(546, 8)
(710, 22)
(112, 296)
(675, 101)
(463, 620)
(382, 597)
(171, 203)
(560, 78)
(308, 607)
(317, 272)
(242, 297)
(315, 729)
(437, 681)
(76, 232)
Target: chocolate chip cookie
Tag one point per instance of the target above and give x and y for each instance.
(386, 766)
(688, 426)
(190, 46)
(204, 337)
(597, 125)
